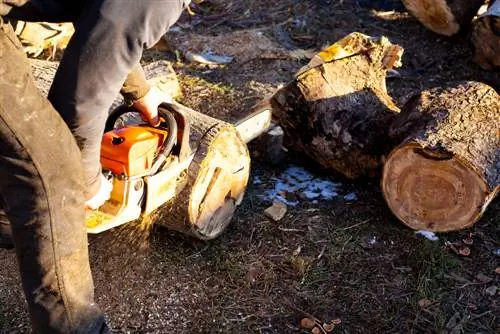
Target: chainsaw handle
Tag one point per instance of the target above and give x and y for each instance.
(171, 126)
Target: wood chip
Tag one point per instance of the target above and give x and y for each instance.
(276, 211)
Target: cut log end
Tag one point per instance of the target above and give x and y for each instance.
(445, 17)
(217, 179)
(432, 191)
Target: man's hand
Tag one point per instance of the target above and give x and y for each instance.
(149, 103)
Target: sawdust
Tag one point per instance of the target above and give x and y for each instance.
(243, 45)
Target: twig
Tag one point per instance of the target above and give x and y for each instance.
(353, 226)
(290, 229)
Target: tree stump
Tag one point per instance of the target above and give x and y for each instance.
(445, 17)
(337, 110)
(486, 38)
(447, 169)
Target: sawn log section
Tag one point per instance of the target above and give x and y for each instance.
(447, 169)
(338, 112)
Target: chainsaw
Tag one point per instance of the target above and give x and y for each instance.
(190, 172)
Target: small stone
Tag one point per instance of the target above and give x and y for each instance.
(307, 323)
(497, 271)
(336, 322)
(276, 211)
(491, 291)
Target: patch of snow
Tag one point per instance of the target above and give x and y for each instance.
(257, 180)
(350, 197)
(300, 184)
(427, 234)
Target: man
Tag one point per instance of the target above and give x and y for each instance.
(46, 176)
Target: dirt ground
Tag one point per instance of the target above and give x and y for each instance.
(345, 258)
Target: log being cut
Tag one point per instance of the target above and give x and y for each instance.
(486, 38)
(445, 17)
(447, 169)
(337, 110)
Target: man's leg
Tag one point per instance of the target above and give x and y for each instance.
(109, 38)
(41, 188)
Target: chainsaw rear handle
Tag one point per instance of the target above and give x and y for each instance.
(171, 127)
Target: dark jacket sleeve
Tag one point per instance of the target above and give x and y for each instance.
(135, 85)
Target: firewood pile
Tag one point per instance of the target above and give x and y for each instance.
(438, 157)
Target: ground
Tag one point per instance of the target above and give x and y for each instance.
(344, 258)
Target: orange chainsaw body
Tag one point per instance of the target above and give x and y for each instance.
(131, 150)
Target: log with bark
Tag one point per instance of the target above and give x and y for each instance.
(445, 17)
(158, 73)
(337, 110)
(486, 38)
(447, 169)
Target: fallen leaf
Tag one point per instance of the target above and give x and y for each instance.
(316, 330)
(468, 241)
(465, 251)
(424, 302)
(483, 278)
(307, 323)
(328, 327)
(491, 291)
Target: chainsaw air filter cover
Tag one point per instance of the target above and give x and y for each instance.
(131, 150)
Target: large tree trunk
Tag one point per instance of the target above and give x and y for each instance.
(447, 169)
(337, 110)
(445, 17)
(486, 38)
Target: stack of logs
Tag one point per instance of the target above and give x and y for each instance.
(439, 155)
(449, 17)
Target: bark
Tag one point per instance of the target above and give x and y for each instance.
(445, 17)
(486, 38)
(447, 169)
(338, 112)
(159, 73)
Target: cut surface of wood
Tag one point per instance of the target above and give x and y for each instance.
(430, 192)
(447, 169)
(215, 185)
(486, 38)
(337, 110)
(445, 17)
